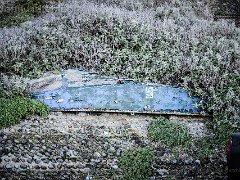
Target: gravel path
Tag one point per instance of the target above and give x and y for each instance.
(71, 146)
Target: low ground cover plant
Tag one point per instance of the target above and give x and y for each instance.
(168, 132)
(16, 108)
(14, 102)
(136, 163)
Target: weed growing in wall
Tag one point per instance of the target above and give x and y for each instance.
(136, 163)
(168, 132)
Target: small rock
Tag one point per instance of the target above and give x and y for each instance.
(28, 131)
(80, 166)
(97, 155)
(47, 154)
(59, 166)
(118, 131)
(29, 160)
(118, 152)
(8, 166)
(24, 141)
(23, 166)
(60, 161)
(115, 166)
(71, 153)
(162, 172)
(43, 167)
(104, 155)
(37, 161)
(51, 166)
(5, 137)
(16, 159)
(37, 136)
(198, 162)
(85, 170)
(16, 141)
(106, 134)
(62, 153)
(188, 161)
(45, 161)
(174, 161)
(95, 161)
(112, 149)
(37, 167)
(7, 160)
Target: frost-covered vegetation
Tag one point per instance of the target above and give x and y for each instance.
(175, 42)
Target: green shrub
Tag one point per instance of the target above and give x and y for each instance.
(15, 108)
(136, 164)
(168, 132)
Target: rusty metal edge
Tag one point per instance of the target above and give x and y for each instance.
(135, 112)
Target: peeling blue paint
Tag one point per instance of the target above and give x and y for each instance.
(127, 96)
